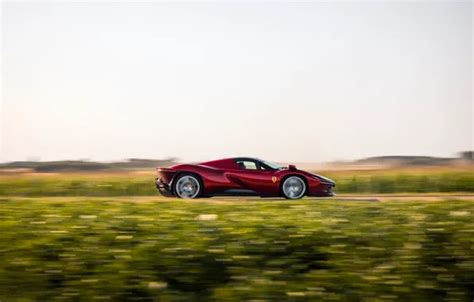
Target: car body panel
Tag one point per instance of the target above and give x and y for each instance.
(226, 177)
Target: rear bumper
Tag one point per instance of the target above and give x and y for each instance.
(163, 188)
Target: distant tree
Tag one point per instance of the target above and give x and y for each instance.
(467, 155)
(70, 166)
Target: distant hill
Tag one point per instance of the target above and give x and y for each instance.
(83, 165)
(464, 157)
(382, 162)
(407, 160)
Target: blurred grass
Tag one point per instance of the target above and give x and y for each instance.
(405, 180)
(87, 249)
(142, 184)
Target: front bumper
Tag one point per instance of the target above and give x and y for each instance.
(163, 188)
(323, 190)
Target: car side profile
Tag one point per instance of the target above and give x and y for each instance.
(240, 176)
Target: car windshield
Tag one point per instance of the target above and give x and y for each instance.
(271, 165)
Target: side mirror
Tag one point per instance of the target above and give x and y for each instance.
(292, 167)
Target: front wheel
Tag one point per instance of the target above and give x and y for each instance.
(187, 186)
(293, 187)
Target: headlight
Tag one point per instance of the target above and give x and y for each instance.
(324, 179)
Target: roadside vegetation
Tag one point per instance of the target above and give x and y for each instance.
(88, 249)
(94, 236)
(405, 180)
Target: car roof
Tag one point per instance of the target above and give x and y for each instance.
(226, 162)
(245, 158)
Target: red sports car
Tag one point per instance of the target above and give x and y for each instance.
(240, 176)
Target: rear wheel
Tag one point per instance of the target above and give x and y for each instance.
(293, 187)
(187, 186)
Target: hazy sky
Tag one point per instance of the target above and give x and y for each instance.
(283, 81)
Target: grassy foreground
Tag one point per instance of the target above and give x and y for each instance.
(89, 249)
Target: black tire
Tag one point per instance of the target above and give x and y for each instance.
(294, 193)
(187, 186)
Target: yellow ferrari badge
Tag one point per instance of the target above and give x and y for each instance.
(274, 179)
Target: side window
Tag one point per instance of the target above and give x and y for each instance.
(246, 164)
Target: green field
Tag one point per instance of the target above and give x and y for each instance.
(155, 249)
(440, 180)
(110, 236)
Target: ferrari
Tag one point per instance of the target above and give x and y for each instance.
(240, 176)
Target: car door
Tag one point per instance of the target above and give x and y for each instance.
(251, 175)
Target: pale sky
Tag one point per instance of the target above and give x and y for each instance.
(299, 82)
